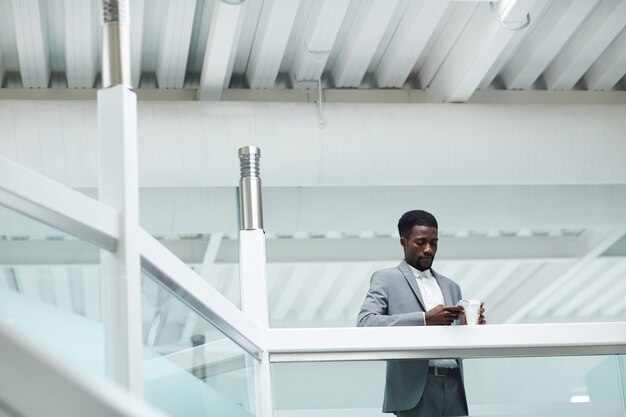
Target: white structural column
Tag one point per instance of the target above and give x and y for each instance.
(610, 66)
(174, 49)
(476, 50)
(32, 47)
(81, 43)
(136, 8)
(588, 44)
(552, 32)
(224, 31)
(319, 37)
(275, 24)
(254, 304)
(120, 269)
(414, 31)
(368, 28)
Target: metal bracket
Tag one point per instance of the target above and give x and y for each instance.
(319, 103)
(520, 26)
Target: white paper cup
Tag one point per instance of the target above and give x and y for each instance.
(472, 307)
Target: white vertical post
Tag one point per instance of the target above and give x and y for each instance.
(254, 305)
(120, 270)
(252, 273)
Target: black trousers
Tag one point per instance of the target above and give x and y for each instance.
(443, 396)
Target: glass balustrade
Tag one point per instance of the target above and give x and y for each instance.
(50, 290)
(586, 386)
(190, 368)
(51, 293)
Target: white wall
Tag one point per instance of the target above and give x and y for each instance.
(190, 143)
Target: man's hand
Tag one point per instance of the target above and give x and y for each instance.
(443, 315)
(481, 314)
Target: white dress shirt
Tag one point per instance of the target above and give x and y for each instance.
(432, 296)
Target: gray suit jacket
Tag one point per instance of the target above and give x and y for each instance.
(394, 299)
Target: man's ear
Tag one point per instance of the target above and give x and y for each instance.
(403, 241)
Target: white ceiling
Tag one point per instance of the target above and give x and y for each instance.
(448, 48)
(545, 269)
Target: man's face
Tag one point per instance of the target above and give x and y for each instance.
(420, 247)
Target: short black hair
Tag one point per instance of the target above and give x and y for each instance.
(415, 218)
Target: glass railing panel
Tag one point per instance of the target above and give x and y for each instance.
(50, 290)
(541, 386)
(200, 226)
(190, 368)
(551, 386)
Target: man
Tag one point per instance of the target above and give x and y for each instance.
(412, 294)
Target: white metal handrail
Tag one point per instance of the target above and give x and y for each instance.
(380, 343)
(199, 295)
(57, 205)
(33, 383)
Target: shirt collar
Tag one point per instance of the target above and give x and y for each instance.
(418, 273)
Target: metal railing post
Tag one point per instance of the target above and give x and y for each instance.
(252, 271)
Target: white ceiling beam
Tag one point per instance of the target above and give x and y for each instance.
(136, 9)
(601, 302)
(610, 66)
(518, 37)
(175, 40)
(324, 285)
(368, 29)
(476, 50)
(224, 31)
(460, 15)
(290, 290)
(615, 304)
(346, 289)
(577, 282)
(320, 33)
(412, 34)
(244, 46)
(32, 44)
(547, 39)
(275, 24)
(601, 281)
(542, 300)
(596, 34)
(81, 43)
(471, 280)
(494, 281)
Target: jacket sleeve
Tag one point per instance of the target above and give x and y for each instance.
(375, 308)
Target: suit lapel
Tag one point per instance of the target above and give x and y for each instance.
(445, 290)
(410, 278)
